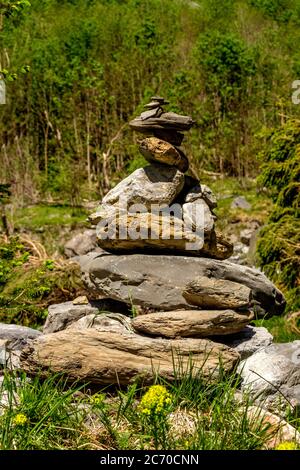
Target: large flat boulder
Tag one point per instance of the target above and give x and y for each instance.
(217, 293)
(154, 184)
(158, 281)
(192, 323)
(272, 375)
(101, 357)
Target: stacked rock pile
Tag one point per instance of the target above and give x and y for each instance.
(142, 203)
(163, 256)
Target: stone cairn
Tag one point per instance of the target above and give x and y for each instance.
(191, 304)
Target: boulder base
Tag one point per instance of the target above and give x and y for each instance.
(116, 358)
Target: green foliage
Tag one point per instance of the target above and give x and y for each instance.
(279, 245)
(28, 284)
(228, 64)
(42, 417)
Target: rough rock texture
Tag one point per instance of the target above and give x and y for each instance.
(240, 202)
(152, 232)
(250, 340)
(14, 338)
(274, 373)
(157, 150)
(278, 429)
(112, 322)
(197, 215)
(114, 358)
(166, 121)
(81, 244)
(17, 336)
(157, 281)
(154, 184)
(62, 315)
(191, 323)
(202, 192)
(217, 293)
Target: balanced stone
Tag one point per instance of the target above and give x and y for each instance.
(152, 105)
(146, 232)
(157, 150)
(158, 281)
(155, 112)
(154, 184)
(169, 121)
(108, 358)
(192, 323)
(217, 293)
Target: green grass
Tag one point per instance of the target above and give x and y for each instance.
(39, 216)
(188, 414)
(280, 328)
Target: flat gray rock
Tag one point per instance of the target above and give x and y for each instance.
(157, 281)
(60, 316)
(272, 375)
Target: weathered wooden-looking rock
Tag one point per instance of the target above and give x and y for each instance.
(116, 358)
(157, 150)
(192, 323)
(147, 232)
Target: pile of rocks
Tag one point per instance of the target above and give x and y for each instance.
(191, 303)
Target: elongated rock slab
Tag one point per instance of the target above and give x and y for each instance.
(157, 281)
(147, 232)
(192, 323)
(217, 293)
(114, 358)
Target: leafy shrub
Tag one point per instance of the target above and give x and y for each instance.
(279, 244)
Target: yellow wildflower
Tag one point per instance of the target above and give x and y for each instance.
(289, 445)
(97, 399)
(20, 419)
(156, 401)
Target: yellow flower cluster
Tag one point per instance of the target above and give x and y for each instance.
(97, 399)
(156, 401)
(287, 446)
(20, 419)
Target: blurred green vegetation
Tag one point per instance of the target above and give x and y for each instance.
(93, 64)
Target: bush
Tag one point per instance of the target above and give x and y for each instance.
(279, 243)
